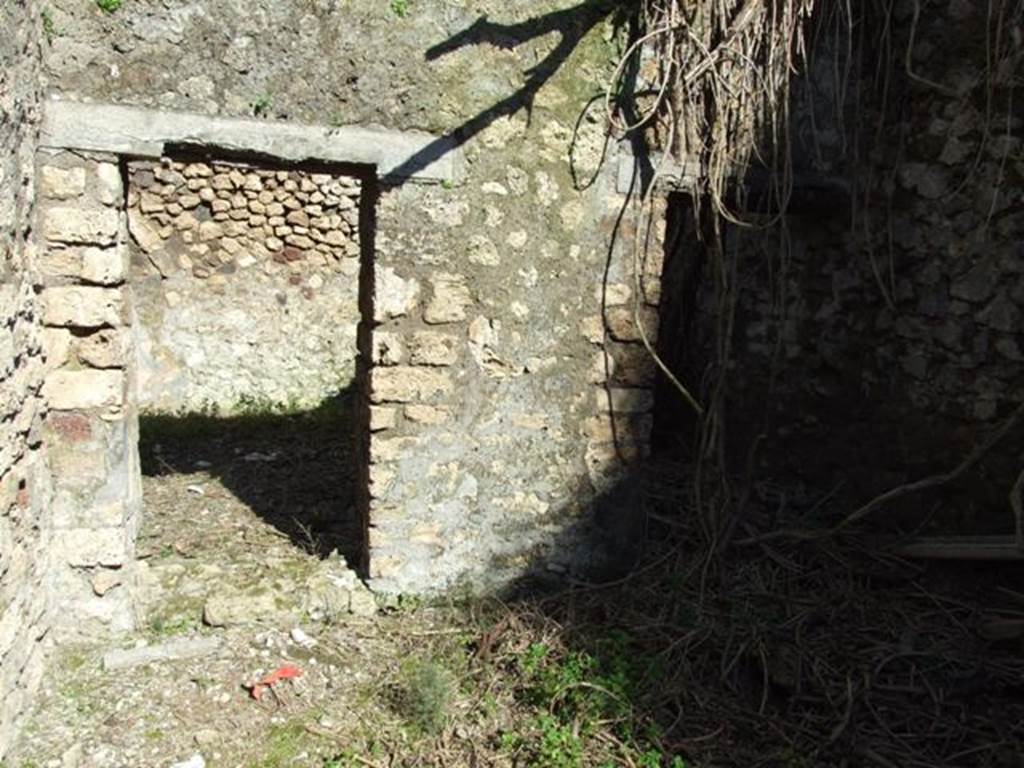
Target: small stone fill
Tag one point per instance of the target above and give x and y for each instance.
(246, 285)
(213, 219)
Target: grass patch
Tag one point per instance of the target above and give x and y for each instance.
(262, 105)
(49, 26)
(506, 687)
(424, 696)
(287, 743)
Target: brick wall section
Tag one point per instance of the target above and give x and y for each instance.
(92, 429)
(245, 282)
(25, 590)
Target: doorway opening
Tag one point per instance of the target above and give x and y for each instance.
(245, 277)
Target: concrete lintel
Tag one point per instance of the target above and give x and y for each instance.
(144, 132)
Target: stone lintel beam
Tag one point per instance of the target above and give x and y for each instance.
(145, 132)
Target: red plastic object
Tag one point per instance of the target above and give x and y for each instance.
(287, 672)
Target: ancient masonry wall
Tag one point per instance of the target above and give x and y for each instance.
(503, 400)
(904, 335)
(245, 284)
(26, 605)
(92, 429)
(492, 442)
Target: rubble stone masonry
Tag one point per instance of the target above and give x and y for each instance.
(26, 608)
(245, 282)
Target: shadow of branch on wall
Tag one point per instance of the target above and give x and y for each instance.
(572, 24)
(296, 471)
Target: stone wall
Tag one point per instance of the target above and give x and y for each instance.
(92, 430)
(245, 282)
(902, 340)
(508, 386)
(26, 606)
(491, 388)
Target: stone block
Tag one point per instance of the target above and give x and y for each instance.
(623, 400)
(178, 649)
(426, 414)
(382, 477)
(394, 296)
(387, 348)
(71, 427)
(406, 384)
(362, 603)
(82, 307)
(109, 187)
(57, 261)
(76, 469)
(1002, 314)
(483, 251)
(449, 299)
(70, 390)
(382, 417)
(56, 347)
(75, 512)
(107, 348)
(592, 328)
(105, 266)
(87, 226)
(613, 294)
(391, 448)
(631, 365)
(210, 230)
(197, 170)
(606, 428)
(144, 232)
(87, 547)
(622, 323)
(384, 566)
(432, 348)
(62, 183)
(606, 462)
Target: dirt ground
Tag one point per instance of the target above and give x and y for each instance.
(231, 505)
(784, 653)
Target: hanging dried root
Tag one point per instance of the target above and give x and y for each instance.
(721, 73)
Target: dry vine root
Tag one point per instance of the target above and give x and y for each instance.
(718, 74)
(708, 82)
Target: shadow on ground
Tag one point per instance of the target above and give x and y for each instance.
(773, 653)
(294, 470)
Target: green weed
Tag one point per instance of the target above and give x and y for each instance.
(108, 6)
(425, 694)
(400, 8)
(162, 626)
(261, 105)
(574, 694)
(285, 742)
(49, 27)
